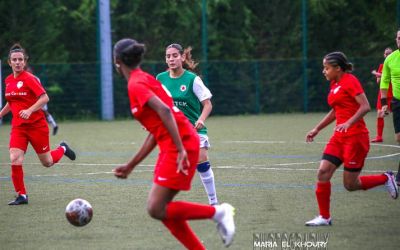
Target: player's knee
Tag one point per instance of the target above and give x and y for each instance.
(46, 163)
(349, 186)
(16, 159)
(155, 211)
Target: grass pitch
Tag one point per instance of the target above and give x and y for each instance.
(262, 166)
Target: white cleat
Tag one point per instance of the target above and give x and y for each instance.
(391, 185)
(226, 226)
(319, 221)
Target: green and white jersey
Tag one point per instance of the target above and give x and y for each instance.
(188, 91)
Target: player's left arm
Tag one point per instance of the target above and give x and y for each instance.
(363, 109)
(42, 100)
(204, 95)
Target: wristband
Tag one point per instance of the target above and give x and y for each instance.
(383, 101)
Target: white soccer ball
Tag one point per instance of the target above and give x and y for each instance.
(79, 212)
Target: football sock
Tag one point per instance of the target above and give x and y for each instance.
(57, 154)
(207, 178)
(370, 181)
(380, 123)
(17, 176)
(182, 210)
(51, 120)
(323, 193)
(182, 231)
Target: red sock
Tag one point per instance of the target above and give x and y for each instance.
(182, 231)
(17, 176)
(323, 193)
(182, 210)
(380, 123)
(370, 181)
(57, 154)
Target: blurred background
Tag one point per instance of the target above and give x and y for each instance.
(255, 56)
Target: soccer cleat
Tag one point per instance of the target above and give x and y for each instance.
(68, 151)
(20, 200)
(391, 185)
(319, 221)
(226, 226)
(55, 130)
(377, 139)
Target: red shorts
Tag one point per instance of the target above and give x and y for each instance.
(37, 136)
(379, 104)
(351, 150)
(165, 170)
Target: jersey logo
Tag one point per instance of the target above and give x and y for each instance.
(336, 89)
(134, 110)
(183, 88)
(19, 84)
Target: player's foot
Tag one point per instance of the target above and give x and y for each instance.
(391, 185)
(55, 130)
(319, 221)
(377, 139)
(226, 224)
(68, 151)
(20, 200)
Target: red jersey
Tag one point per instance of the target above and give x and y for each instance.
(141, 87)
(390, 92)
(342, 99)
(21, 93)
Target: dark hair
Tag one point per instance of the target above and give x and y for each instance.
(189, 63)
(129, 51)
(17, 48)
(339, 59)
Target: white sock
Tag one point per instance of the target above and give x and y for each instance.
(51, 120)
(209, 184)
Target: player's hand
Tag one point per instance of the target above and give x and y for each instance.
(199, 124)
(183, 162)
(25, 114)
(122, 172)
(383, 112)
(310, 135)
(342, 127)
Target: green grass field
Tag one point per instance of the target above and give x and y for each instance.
(262, 166)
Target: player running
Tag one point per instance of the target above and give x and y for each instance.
(178, 151)
(350, 142)
(25, 97)
(193, 98)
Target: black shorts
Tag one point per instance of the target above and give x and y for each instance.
(396, 114)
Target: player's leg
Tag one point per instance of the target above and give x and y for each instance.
(52, 121)
(326, 170)
(395, 105)
(380, 123)
(205, 171)
(17, 176)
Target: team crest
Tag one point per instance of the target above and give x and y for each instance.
(183, 88)
(19, 84)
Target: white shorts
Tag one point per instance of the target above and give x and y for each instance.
(204, 143)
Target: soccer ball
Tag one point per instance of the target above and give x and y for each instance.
(79, 212)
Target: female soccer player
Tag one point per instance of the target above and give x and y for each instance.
(25, 97)
(380, 122)
(350, 142)
(192, 97)
(179, 150)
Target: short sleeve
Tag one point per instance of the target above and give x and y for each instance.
(36, 86)
(200, 90)
(354, 88)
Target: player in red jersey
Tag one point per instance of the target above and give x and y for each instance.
(380, 122)
(350, 142)
(179, 151)
(25, 97)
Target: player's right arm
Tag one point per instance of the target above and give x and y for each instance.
(5, 110)
(148, 146)
(328, 119)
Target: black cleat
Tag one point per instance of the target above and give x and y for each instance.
(55, 130)
(68, 151)
(398, 179)
(20, 200)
